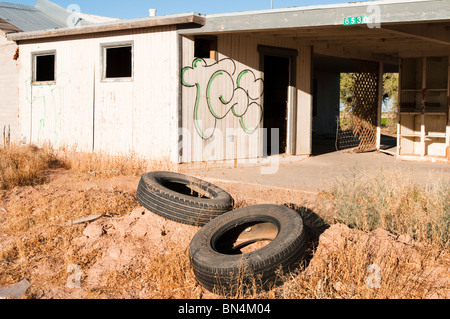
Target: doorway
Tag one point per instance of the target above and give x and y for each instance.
(276, 83)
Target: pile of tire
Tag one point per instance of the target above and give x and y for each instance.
(217, 252)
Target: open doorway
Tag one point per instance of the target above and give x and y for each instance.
(338, 83)
(276, 82)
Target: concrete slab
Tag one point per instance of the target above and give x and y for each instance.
(320, 172)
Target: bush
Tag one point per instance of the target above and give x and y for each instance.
(393, 201)
(25, 165)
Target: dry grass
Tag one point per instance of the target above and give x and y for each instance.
(103, 165)
(391, 200)
(346, 274)
(37, 232)
(166, 276)
(43, 208)
(387, 200)
(25, 165)
(38, 247)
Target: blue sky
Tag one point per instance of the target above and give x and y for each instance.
(129, 9)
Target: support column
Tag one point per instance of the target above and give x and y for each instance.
(380, 103)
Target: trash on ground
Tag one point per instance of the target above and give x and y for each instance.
(16, 291)
(83, 220)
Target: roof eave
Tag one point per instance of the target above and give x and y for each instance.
(390, 12)
(189, 18)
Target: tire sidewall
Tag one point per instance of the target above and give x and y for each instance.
(153, 180)
(290, 229)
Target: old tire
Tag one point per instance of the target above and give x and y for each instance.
(216, 250)
(181, 198)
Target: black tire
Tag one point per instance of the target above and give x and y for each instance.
(224, 269)
(177, 197)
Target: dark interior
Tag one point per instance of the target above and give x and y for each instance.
(276, 83)
(118, 62)
(45, 68)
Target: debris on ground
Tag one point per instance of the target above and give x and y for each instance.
(84, 220)
(16, 291)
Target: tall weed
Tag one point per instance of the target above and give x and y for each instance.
(25, 165)
(390, 199)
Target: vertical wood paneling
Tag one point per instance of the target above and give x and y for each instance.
(75, 90)
(9, 95)
(243, 51)
(138, 116)
(141, 116)
(304, 102)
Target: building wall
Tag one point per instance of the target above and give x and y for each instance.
(222, 99)
(9, 95)
(81, 110)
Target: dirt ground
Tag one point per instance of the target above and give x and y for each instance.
(123, 241)
(129, 252)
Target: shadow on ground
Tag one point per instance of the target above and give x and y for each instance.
(314, 225)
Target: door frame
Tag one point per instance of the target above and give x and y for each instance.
(291, 55)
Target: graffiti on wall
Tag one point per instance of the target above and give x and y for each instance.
(222, 92)
(48, 105)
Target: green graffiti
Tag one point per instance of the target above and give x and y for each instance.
(56, 89)
(241, 75)
(237, 90)
(196, 120)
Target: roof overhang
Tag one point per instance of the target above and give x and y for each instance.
(192, 19)
(393, 11)
(397, 28)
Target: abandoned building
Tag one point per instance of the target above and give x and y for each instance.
(192, 87)
(22, 18)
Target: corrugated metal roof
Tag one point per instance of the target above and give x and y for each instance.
(43, 15)
(8, 27)
(28, 18)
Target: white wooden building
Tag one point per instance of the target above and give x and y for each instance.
(190, 87)
(24, 18)
(9, 82)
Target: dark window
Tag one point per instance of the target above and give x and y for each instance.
(206, 48)
(119, 62)
(45, 68)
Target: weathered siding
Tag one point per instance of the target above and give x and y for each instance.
(120, 117)
(9, 95)
(209, 125)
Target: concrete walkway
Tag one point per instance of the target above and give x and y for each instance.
(321, 172)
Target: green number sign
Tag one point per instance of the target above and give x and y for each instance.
(356, 20)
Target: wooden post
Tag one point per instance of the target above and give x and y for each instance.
(380, 103)
(422, 116)
(447, 137)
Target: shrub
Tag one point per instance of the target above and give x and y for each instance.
(25, 165)
(392, 200)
